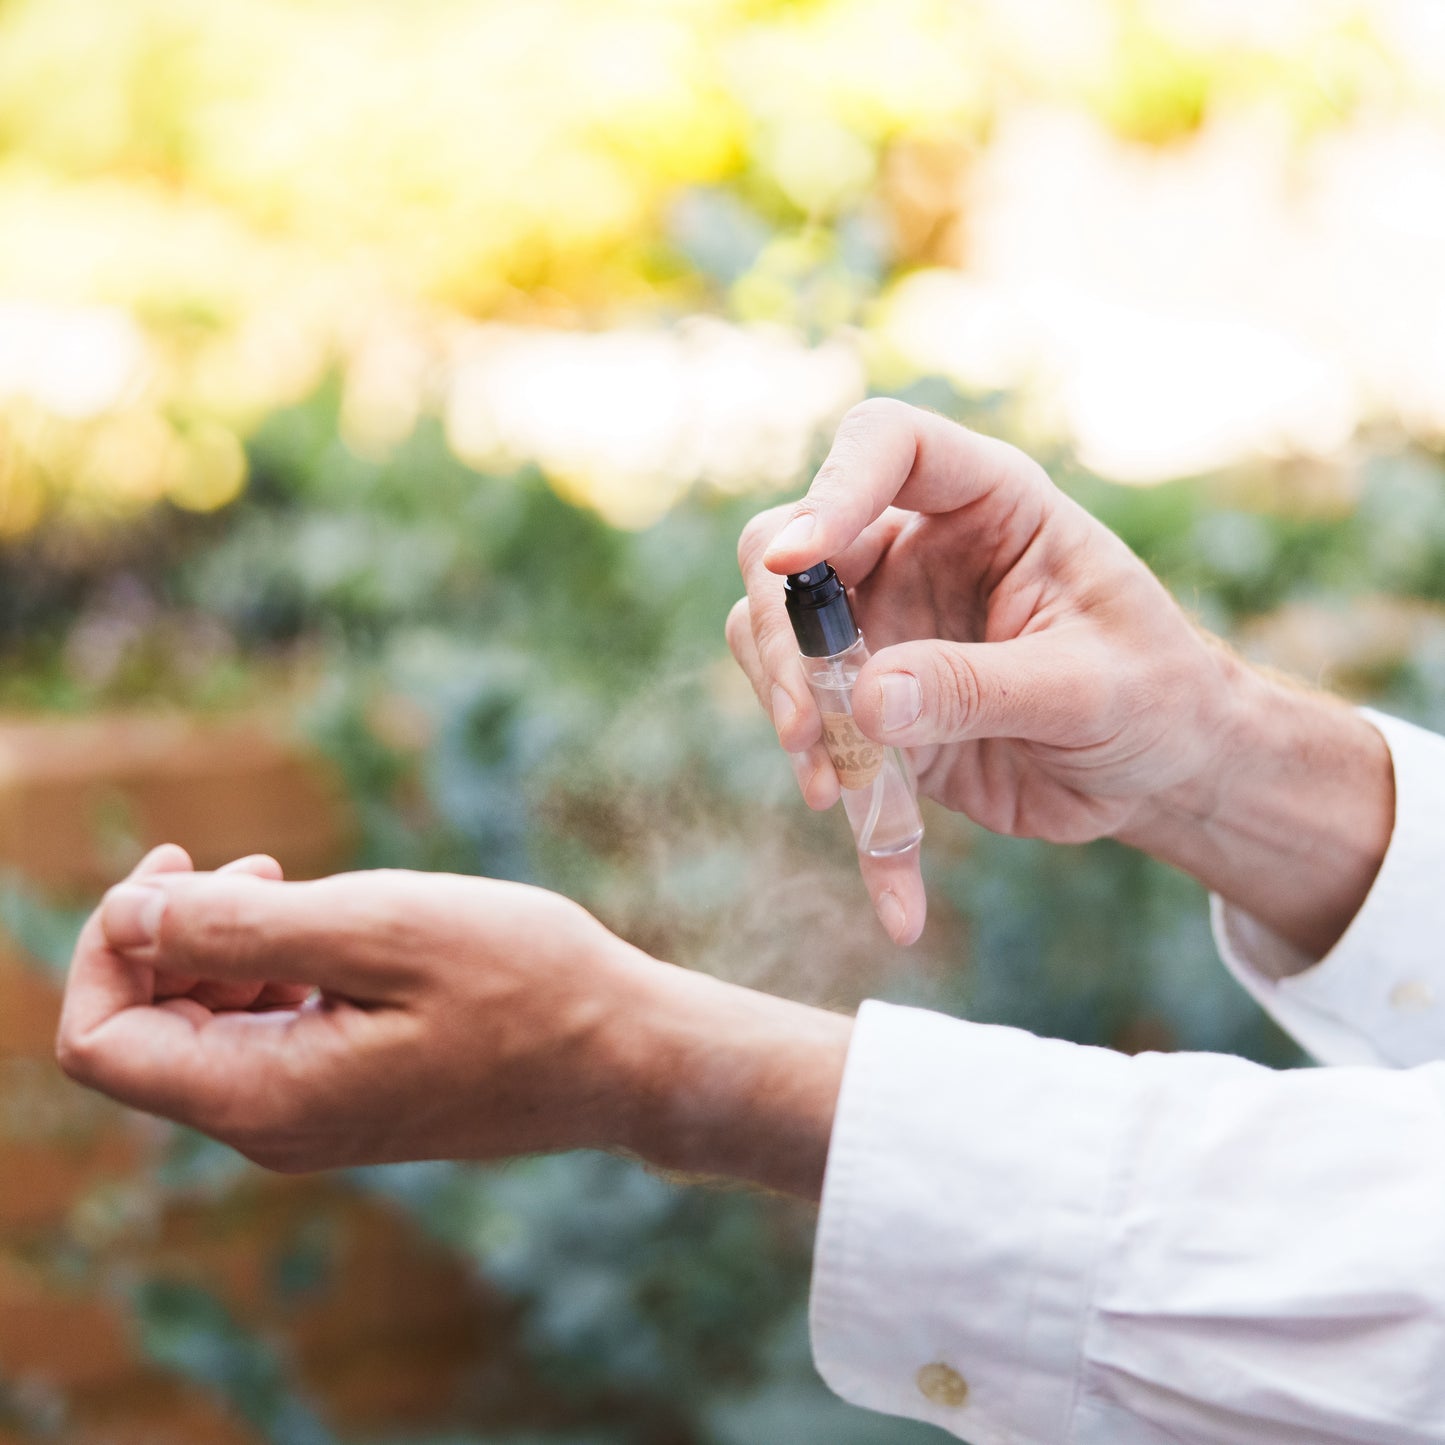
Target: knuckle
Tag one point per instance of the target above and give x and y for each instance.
(958, 696)
(856, 439)
(1033, 477)
(1023, 476)
(850, 446)
(874, 411)
(382, 914)
(832, 477)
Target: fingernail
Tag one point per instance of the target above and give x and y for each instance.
(132, 915)
(783, 707)
(891, 915)
(794, 535)
(902, 700)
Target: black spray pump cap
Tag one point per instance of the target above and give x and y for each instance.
(818, 609)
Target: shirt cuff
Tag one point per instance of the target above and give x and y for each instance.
(962, 1215)
(1378, 997)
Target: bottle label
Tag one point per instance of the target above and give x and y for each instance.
(856, 759)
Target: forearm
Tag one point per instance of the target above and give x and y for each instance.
(728, 1082)
(1292, 822)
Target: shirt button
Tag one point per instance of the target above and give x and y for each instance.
(1412, 996)
(943, 1385)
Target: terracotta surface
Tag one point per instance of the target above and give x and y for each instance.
(80, 799)
(385, 1330)
(56, 1141)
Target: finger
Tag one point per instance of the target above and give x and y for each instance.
(781, 684)
(887, 452)
(336, 933)
(817, 778)
(896, 887)
(166, 858)
(259, 865)
(217, 1072)
(244, 994)
(99, 982)
(220, 995)
(112, 1038)
(1043, 688)
(140, 1053)
(812, 767)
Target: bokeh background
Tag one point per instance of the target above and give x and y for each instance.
(382, 390)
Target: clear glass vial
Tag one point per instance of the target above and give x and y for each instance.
(876, 781)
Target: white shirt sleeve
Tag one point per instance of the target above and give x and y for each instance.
(1378, 997)
(1029, 1242)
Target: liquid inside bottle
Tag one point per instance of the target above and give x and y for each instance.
(877, 782)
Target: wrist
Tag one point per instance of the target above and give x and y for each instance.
(1234, 723)
(1291, 818)
(726, 1082)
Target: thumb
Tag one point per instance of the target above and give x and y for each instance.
(1035, 688)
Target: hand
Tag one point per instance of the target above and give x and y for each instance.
(373, 1017)
(1044, 681)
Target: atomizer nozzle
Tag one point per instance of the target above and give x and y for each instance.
(817, 604)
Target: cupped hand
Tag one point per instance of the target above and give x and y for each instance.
(1043, 680)
(362, 1018)
(374, 1017)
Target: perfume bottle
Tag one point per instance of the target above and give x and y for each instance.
(877, 782)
